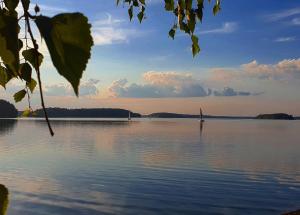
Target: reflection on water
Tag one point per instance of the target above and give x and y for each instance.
(201, 127)
(152, 167)
(7, 125)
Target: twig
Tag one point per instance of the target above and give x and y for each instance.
(37, 68)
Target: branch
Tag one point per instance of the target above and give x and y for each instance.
(37, 68)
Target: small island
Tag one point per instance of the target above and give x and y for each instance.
(7, 110)
(277, 116)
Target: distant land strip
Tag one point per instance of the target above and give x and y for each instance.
(123, 113)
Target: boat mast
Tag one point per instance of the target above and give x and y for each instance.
(201, 115)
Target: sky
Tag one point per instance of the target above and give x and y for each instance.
(249, 61)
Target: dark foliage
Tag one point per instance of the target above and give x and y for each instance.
(282, 116)
(86, 113)
(7, 110)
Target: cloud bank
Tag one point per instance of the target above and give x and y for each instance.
(168, 85)
(285, 70)
(88, 88)
(228, 91)
(160, 85)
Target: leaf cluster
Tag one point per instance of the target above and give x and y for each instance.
(67, 36)
(135, 4)
(187, 13)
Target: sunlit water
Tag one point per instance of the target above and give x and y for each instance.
(151, 167)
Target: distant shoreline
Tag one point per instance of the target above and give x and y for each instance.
(123, 113)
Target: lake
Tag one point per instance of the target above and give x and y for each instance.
(151, 167)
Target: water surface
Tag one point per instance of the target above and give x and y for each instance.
(151, 167)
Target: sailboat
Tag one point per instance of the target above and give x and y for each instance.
(201, 116)
(129, 116)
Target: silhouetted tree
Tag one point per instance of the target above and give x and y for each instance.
(7, 110)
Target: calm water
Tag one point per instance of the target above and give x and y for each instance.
(151, 167)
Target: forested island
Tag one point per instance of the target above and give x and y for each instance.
(86, 113)
(7, 110)
(281, 116)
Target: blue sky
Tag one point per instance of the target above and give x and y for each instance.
(249, 60)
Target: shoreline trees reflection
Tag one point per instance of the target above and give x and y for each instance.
(7, 126)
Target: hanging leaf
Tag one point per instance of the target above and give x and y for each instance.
(195, 45)
(3, 76)
(141, 14)
(11, 4)
(69, 41)
(130, 12)
(31, 85)
(26, 113)
(217, 7)
(169, 5)
(25, 72)
(19, 95)
(33, 57)
(9, 44)
(37, 9)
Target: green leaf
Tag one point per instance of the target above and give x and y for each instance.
(25, 72)
(140, 16)
(26, 113)
(199, 10)
(20, 44)
(135, 3)
(172, 33)
(69, 41)
(31, 85)
(130, 12)
(19, 95)
(37, 9)
(169, 5)
(195, 45)
(3, 76)
(217, 7)
(11, 4)
(9, 45)
(33, 57)
(192, 22)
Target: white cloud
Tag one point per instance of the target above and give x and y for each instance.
(87, 88)
(285, 39)
(109, 31)
(285, 70)
(296, 21)
(160, 85)
(282, 14)
(168, 85)
(227, 27)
